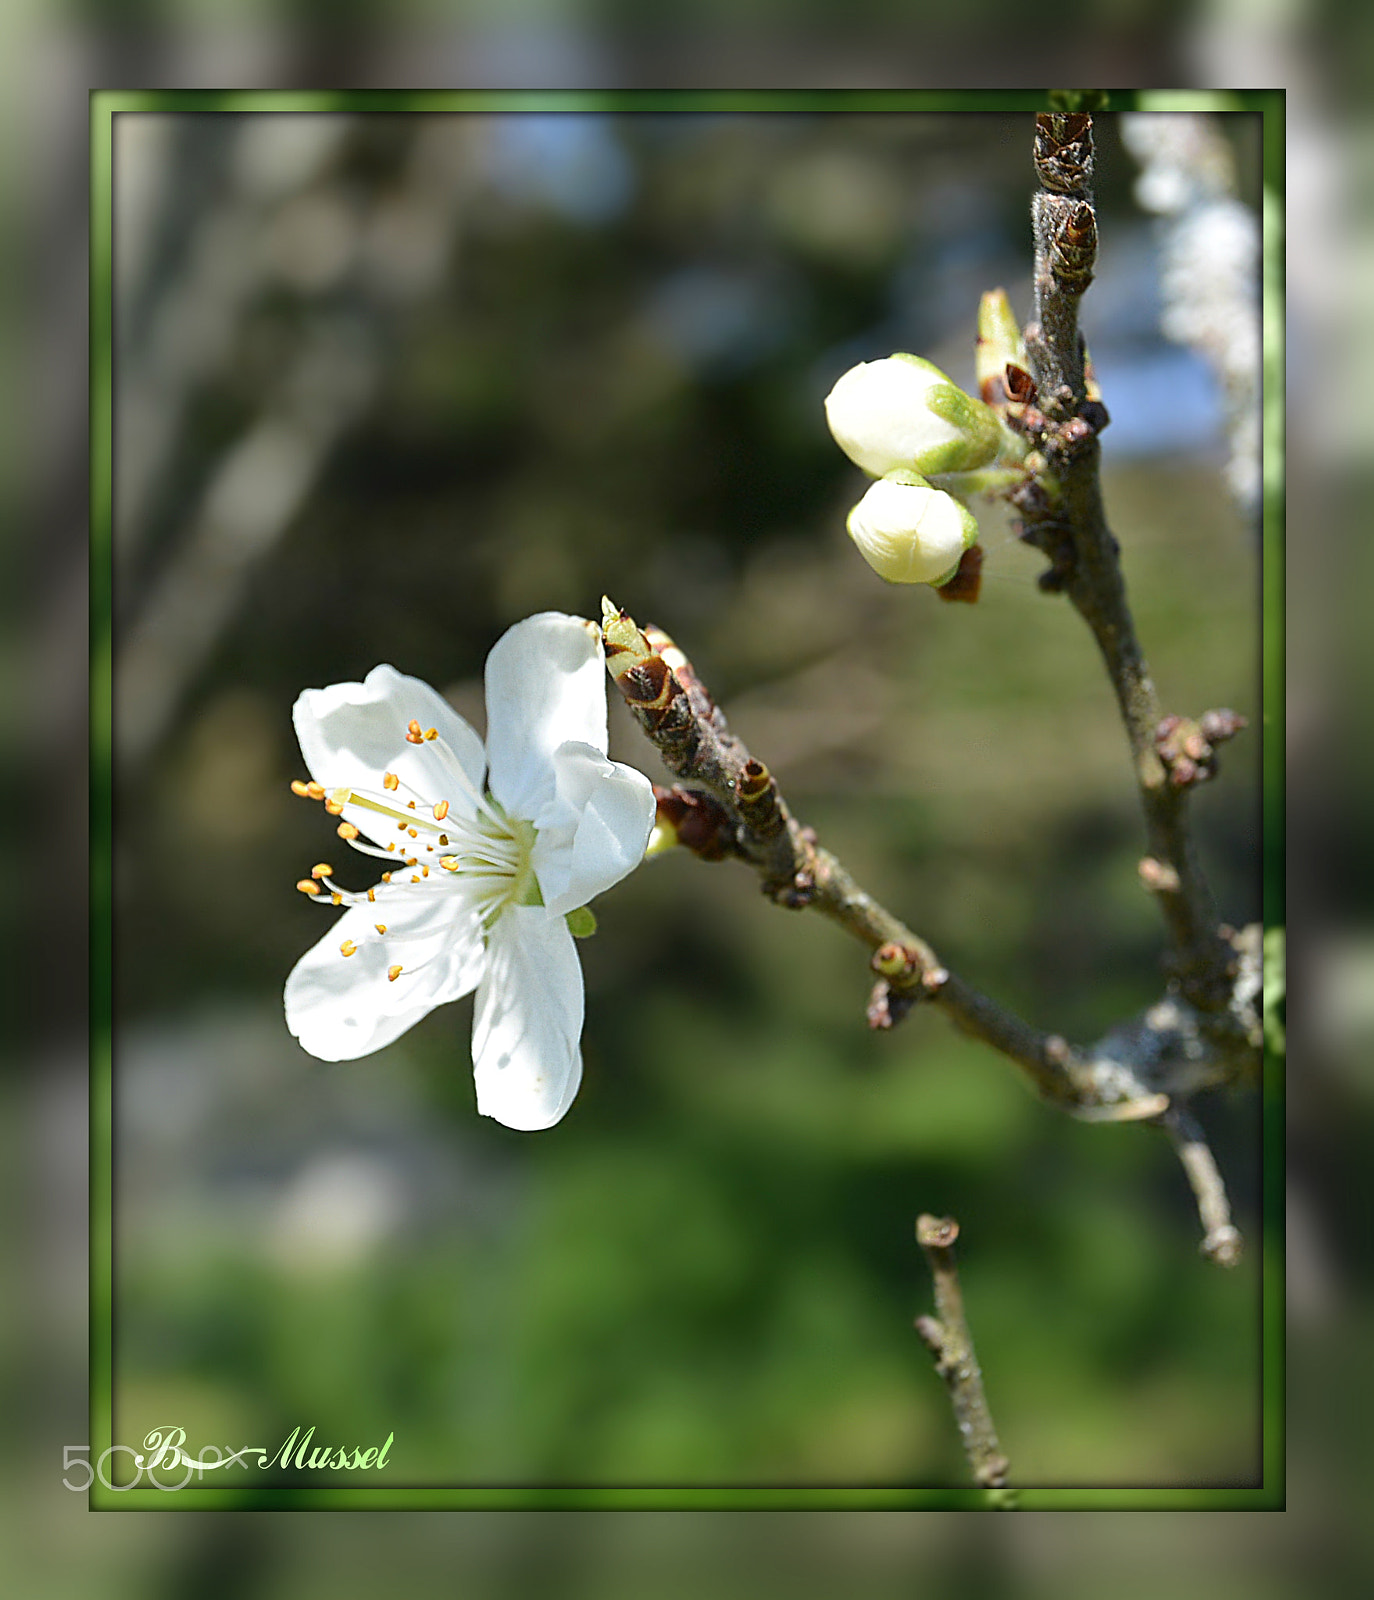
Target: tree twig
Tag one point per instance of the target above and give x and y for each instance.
(1221, 1241)
(1131, 1074)
(1063, 515)
(946, 1335)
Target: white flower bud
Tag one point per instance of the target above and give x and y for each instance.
(904, 413)
(909, 532)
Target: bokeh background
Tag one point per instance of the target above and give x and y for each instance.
(759, 1153)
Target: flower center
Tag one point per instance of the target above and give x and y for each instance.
(489, 852)
(475, 849)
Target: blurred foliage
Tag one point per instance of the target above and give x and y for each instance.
(507, 364)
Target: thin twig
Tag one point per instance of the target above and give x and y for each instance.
(948, 1339)
(1064, 516)
(1221, 1242)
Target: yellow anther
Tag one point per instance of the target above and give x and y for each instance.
(371, 894)
(334, 807)
(346, 830)
(413, 734)
(431, 733)
(441, 811)
(336, 898)
(380, 927)
(392, 845)
(308, 886)
(411, 861)
(424, 872)
(411, 804)
(443, 838)
(449, 863)
(386, 877)
(390, 781)
(300, 787)
(413, 832)
(348, 948)
(321, 869)
(392, 974)
(315, 791)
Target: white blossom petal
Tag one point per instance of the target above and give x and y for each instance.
(354, 733)
(528, 1020)
(594, 830)
(545, 686)
(342, 1007)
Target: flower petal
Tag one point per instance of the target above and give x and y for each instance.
(355, 733)
(545, 685)
(528, 1020)
(342, 1007)
(594, 830)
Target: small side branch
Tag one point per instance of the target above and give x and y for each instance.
(946, 1335)
(1221, 1239)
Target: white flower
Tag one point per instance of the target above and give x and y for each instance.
(904, 413)
(909, 532)
(488, 850)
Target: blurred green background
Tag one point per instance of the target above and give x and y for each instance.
(386, 384)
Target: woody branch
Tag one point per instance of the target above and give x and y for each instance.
(1205, 1030)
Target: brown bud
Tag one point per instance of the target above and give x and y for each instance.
(968, 577)
(1158, 876)
(1221, 725)
(698, 822)
(1094, 413)
(1019, 384)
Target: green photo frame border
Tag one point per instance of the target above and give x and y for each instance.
(105, 106)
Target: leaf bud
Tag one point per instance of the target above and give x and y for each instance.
(999, 346)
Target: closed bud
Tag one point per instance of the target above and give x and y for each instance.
(904, 414)
(909, 532)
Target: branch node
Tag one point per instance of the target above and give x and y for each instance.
(893, 960)
(1188, 748)
(1158, 876)
(932, 1335)
(1223, 1246)
(1057, 1050)
(887, 1006)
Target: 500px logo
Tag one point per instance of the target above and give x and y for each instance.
(162, 1453)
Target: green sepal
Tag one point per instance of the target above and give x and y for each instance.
(979, 425)
(581, 923)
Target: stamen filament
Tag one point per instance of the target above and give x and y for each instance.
(352, 797)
